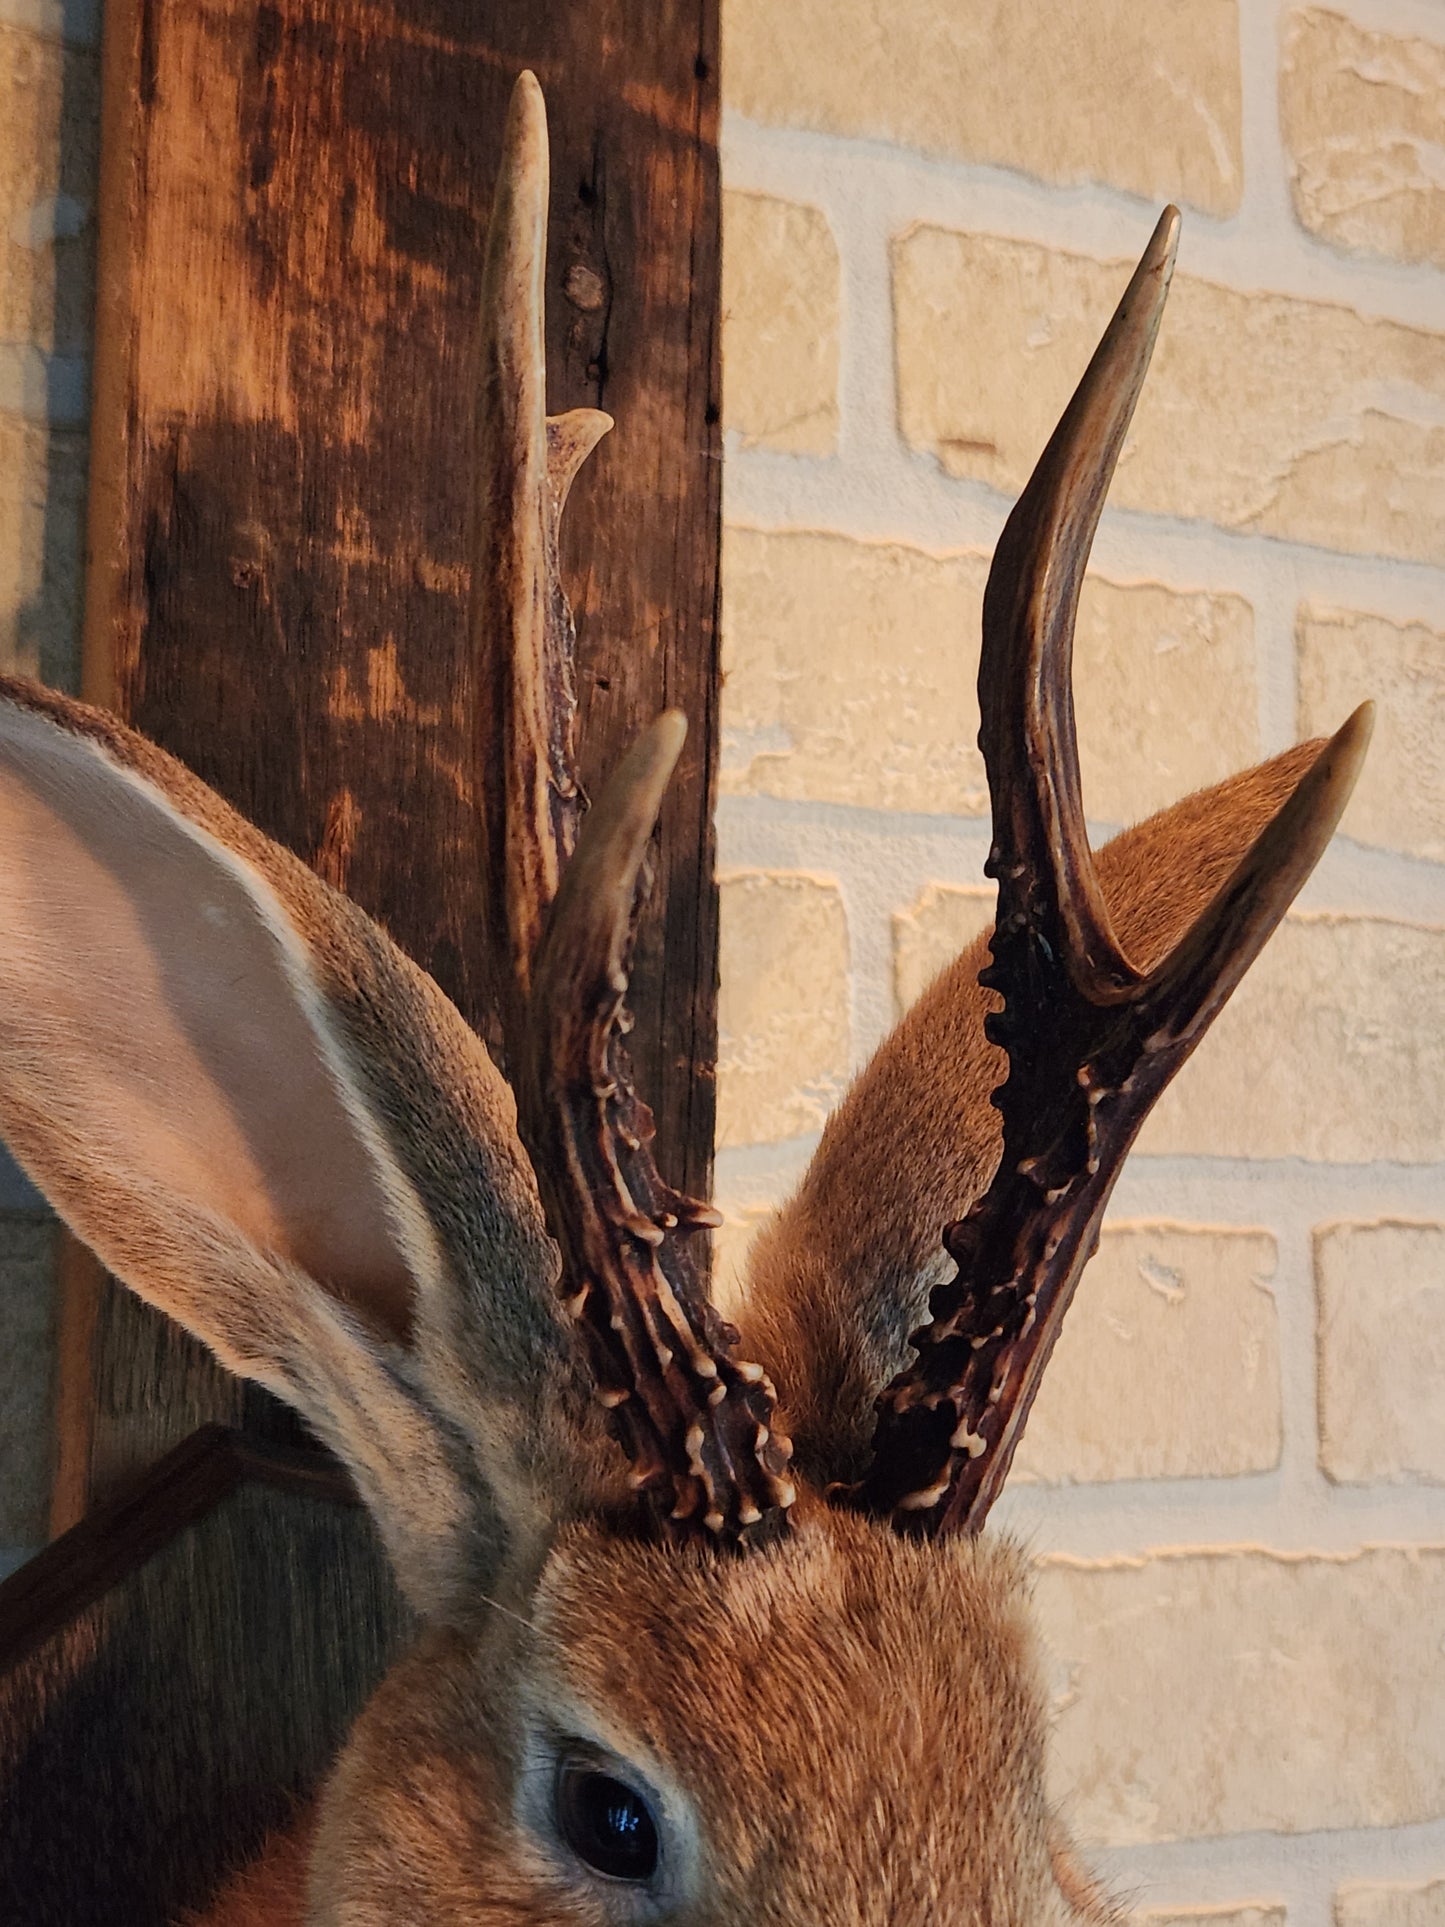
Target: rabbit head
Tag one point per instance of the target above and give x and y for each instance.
(697, 1646)
(782, 1737)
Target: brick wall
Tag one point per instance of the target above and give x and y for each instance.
(929, 209)
(1235, 1478)
(49, 139)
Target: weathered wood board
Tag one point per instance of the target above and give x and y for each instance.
(112, 1783)
(294, 198)
(293, 202)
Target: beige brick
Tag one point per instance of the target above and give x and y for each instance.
(1207, 1693)
(27, 1320)
(1263, 1915)
(1038, 87)
(1361, 114)
(852, 670)
(1345, 657)
(928, 936)
(784, 1041)
(1261, 413)
(1168, 1364)
(1381, 1307)
(1164, 695)
(1333, 1048)
(1393, 1906)
(780, 325)
(49, 135)
(42, 524)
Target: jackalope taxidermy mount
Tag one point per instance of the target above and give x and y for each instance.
(694, 1649)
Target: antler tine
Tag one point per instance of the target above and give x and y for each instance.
(1182, 995)
(521, 625)
(1029, 609)
(1135, 1058)
(696, 1423)
(1090, 1041)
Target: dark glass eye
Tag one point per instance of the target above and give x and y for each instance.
(606, 1823)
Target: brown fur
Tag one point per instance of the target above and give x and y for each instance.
(271, 1892)
(837, 1759)
(842, 1275)
(271, 1124)
(843, 1728)
(446, 1361)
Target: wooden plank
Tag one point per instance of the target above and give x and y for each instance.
(123, 1786)
(293, 207)
(138, 1521)
(291, 242)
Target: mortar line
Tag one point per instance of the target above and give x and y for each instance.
(1242, 252)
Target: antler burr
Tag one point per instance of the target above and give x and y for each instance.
(696, 1422)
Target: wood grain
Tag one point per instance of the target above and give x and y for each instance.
(116, 1538)
(293, 203)
(296, 198)
(138, 1755)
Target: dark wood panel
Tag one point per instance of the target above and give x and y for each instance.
(295, 201)
(160, 1711)
(141, 1518)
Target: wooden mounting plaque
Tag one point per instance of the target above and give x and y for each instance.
(294, 196)
(138, 1754)
(294, 200)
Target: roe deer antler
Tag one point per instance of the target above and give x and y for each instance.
(697, 1424)
(272, 1125)
(1091, 1041)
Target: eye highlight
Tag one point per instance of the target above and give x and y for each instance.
(606, 1822)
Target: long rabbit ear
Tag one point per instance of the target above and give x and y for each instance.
(1003, 1109)
(841, 1277)
(260, 1114)
(269, 1123)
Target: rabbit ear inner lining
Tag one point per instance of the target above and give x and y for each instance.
(162, 1033)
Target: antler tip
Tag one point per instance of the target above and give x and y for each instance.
(1353, 735)
(593, 909)
(527, 91)
(1343, 757)
(516, 243)
(647, 770)
(525, 140)
(1164, 242)
(670, 730)
(571, 438)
